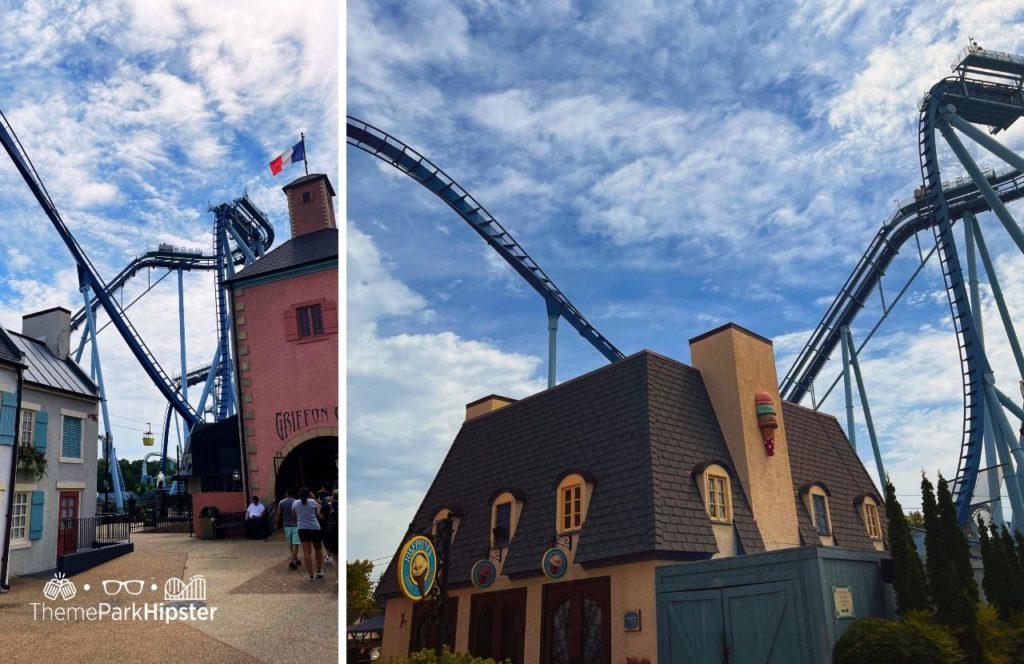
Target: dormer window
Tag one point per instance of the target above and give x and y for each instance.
(868, 508)
(572, 499)
(502, 524)
(441, 515)
(821, 521)
(715, 483)
(506, 505)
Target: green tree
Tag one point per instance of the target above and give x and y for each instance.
(915, 519)
(950, 588)
(360, 602)
(1013, 583)
(909, 582)
(990, 579)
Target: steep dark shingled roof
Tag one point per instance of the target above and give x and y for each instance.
(306, 249)
(820, 452)
(639, 426)
(8, 349)
(45, 369)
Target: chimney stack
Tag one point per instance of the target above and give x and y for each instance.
(310, 204)
(738, 368)
(52, 326)
(488, 404)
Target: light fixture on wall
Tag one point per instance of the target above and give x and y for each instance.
(236, 476)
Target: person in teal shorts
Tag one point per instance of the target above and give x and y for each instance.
(286, 519)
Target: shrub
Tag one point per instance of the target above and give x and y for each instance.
(427, 656)
(885, 642)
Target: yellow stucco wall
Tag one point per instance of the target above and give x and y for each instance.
(631, 587)
(735, 365)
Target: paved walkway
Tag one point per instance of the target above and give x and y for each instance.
(264, 612)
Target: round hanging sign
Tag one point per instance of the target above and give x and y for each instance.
(554, 563)
(417, 568)
(484, 573)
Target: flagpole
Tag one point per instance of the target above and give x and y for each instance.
(305, 162)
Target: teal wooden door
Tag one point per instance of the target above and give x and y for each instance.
(762, 624)
(750, 624)
(691, 623)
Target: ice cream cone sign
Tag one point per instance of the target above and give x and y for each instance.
(766, 420)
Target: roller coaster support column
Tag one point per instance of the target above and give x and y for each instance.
(970, 222)
(851, 432)
(1007, 449)
(983, 185)
(181, 334)
(249, 257)
(211, 377)
(997, 295)
(112, 466)
(984, 140)
(845, 331)
(553, 311)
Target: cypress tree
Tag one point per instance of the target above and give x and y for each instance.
(1014, 582)
(909, 581)
(1019, 536)
(960, 548)
(949, 588)
(989, 582)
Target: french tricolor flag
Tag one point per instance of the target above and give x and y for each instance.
(293, 155)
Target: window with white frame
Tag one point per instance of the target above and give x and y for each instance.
(20, 516)
(718, 491)
(28, 427)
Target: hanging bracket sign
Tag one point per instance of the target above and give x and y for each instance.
(417, 568)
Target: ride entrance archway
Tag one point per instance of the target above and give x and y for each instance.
(309, 464)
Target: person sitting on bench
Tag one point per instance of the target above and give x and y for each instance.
(254, 526)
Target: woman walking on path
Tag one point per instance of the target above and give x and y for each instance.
(306, 515)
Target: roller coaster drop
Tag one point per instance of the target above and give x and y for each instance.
(240, 221)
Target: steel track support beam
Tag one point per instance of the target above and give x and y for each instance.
(1009, 452)
(970, 222)
(181, 336)
(249, 256)
(997, 295)
(864, 405)
(81, 346)
(112, 466)
(211, 377)
(553, 312)
(983, 185)
(851, 431)
(983, 139)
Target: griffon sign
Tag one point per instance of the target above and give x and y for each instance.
(290, 422)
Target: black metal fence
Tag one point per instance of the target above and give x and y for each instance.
(163, 510)
(92, 532)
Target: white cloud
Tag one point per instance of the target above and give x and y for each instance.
(407, 394)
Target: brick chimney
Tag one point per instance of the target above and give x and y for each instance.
(488, 404)
(52, 326)
(310, 204)
(736, 364)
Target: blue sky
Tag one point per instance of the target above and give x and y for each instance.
(672, 166)
(138, 117)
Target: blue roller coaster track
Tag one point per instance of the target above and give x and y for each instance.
(985, 90)
(389, 149)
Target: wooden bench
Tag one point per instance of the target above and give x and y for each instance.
(228, 521)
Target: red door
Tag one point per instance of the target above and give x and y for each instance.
(67, 532)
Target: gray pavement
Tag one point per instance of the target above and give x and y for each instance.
(264, 612)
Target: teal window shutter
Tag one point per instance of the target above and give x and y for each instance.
(8, 415)
(36, 520)
(71, 440)
(41, 419)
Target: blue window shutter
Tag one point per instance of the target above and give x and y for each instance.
(71, 439)
(36, 520)
(8, 415)
(41, 419)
